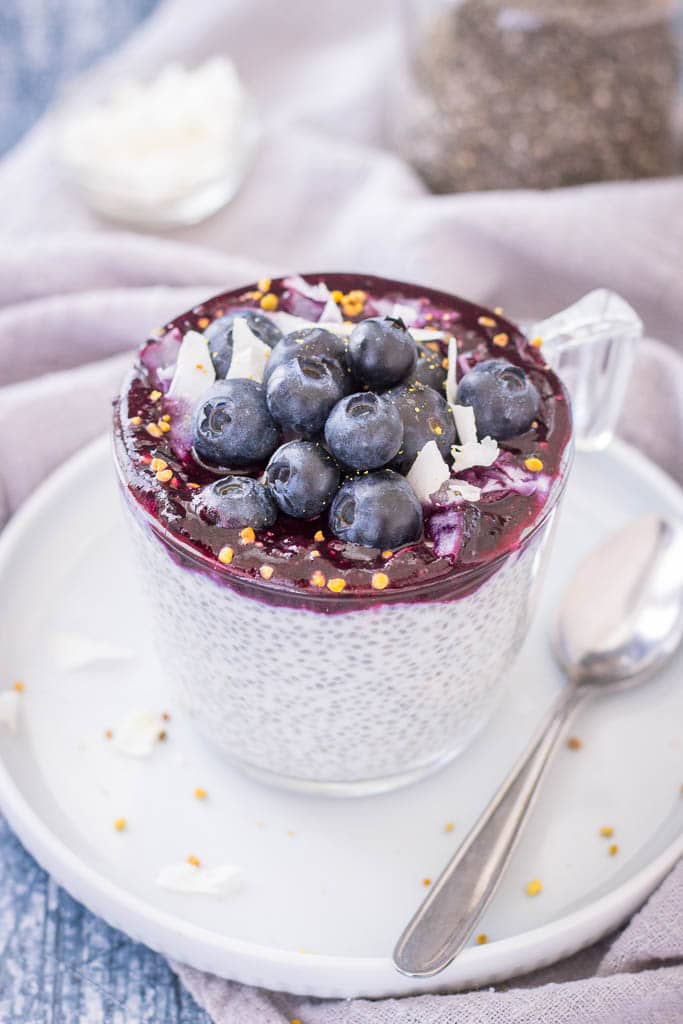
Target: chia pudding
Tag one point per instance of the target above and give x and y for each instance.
(341, 489)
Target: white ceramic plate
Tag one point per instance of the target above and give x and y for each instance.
(329, 883)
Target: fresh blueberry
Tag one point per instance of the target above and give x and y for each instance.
(313, 341)
(426, 417)
(381, 351)
(234, 502)
(231, 425)
(219, 336)
(364, 431)
(301, 392)
(428, 370)
(378, 510)
(302, 478)
(504, 399)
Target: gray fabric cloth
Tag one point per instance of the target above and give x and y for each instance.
(76, 296)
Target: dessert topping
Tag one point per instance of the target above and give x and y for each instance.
(428, 473)
(194, 371)
(190, 878)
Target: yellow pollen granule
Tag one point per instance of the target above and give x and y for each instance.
(444, 362)
(315, 554)
(270, 302)
(486, 321)
(500, 339)
(536, 342)
(351, 308)
(380, 581)
(433, 346)
(318, 535)
(613, 850)
(264, 284)
(154, 430)
(336, 585)
(226, 555)
(533, 887)
(200, 793)
(19, 687)
(164, 427)
(533, 464)
(574, 743)
(203, 322)
(166, 418)
(247, 535)
(135, 420)
(337, 295)
(426, 881)
(448, 827)
(498, 310)
(266, 571)
(318, 580)
(387, 554)
(158, 464)
(164, 475)
(482, 939)
(606, 831)
(120, 824)
(193, 860)
(356, 295)
(435, 427)
(154, 396)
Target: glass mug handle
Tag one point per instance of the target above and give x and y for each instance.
(592, 346)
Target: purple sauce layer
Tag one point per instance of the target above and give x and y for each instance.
(476, 536)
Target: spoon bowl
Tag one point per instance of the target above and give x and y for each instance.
(622, 613)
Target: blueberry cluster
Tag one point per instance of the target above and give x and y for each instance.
(337, 424)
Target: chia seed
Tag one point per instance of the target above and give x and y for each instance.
(543, 94)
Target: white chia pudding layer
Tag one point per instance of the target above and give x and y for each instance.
(359, 701)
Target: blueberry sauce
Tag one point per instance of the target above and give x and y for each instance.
(462, 544)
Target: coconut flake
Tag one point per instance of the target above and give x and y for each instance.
(474, 453)
(460, 490)
(400, 311)
(186, 877)
(451, 385)
(9, 710)
(137, 735)
(465, 424)
(331, 314)
(428, 473)
(427, 334)
(314, 292)
(249, 353)
(70, 651)
(194, 371)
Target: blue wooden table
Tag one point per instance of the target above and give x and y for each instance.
(58, 963)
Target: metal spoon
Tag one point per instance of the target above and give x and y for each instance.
(621, 619)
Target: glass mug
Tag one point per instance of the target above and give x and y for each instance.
(369, 699)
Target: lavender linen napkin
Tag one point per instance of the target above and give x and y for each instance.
(325, 192)
(66, 330)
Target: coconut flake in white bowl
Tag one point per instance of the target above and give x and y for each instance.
(198, 880)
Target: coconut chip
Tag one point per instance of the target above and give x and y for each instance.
(194, 371)
(186, 877)
(249, 353)
(428, 472)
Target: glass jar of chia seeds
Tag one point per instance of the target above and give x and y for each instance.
(540, 93)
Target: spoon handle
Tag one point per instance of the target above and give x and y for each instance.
(442, 924)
